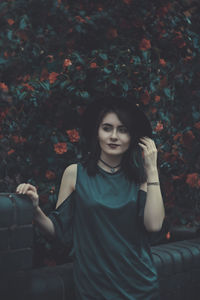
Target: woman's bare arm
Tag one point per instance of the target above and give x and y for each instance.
(66, 188)
(154, 212)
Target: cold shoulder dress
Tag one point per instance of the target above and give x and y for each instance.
(103, 221)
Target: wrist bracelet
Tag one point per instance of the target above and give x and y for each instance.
(153, 183)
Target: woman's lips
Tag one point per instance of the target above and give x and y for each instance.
(113, 146)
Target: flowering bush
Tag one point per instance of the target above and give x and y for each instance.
(57, 55)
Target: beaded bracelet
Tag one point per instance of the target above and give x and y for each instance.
(153, 183)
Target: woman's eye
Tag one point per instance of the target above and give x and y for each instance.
(123, 130)
(107, 128)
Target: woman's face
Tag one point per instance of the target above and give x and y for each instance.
(114, 138)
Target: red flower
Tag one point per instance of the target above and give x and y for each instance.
(18, 139)
(145, 98)
(153, 110)
(60, 148)
(178, 40)
(162, 62)
(157, 98)
(187, 139)
(193, 180)
(93, 65)
(22, 34)
(164, 10)
(127, 1)
(50, 58)
(67, 63)
(11, 151)
(168, 236)
(197, 125)
(26, 77)
(169, 189)
(177, 136)
(73, 135)
(44, 198)
(52, 77)
(6, 54)
(187, 58)
(112, 33)
(99, 8)
(3, 87)
(178, 177)
(44, 74)
(50, 175)
(80, 19)
(28, 86)
(163, 81)
(3, 114)
(10, 21)
(145, 44)
(159, 126)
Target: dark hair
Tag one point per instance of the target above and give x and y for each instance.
(130, 116)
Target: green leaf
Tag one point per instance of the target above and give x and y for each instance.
(136, 60)
(196, 116)
(107, 71)
(167, 92)
(114, 81)
(104, 56)
(84, 94)
(23, 22)
(64, 84)
(3, 61)
(45, 85)
(125, 86)
(79, 58)
(71, 88)
(9, 35)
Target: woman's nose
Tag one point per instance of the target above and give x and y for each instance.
(114, 134)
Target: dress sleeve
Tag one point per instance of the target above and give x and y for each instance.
(62, 218)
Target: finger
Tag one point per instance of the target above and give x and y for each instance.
(149, 143)
(145, 143)
(20, 188)
(143, 146)
(24, 187)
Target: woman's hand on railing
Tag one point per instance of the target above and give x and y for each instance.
(29, 190)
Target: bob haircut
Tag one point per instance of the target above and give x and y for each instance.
(137, 125)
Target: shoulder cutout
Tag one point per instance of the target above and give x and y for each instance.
(68, 183)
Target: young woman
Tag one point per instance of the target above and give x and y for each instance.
(117, 201)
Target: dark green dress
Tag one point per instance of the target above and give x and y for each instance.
(112, 259)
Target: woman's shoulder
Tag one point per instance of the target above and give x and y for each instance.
(68, 183)
(71, 171)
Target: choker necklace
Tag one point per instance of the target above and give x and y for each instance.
(112, 169)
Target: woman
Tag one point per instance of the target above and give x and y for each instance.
(117, 201)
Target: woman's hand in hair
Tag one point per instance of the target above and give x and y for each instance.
(29, 190)
(150, 154)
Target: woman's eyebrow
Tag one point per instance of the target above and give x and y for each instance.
(108, 124)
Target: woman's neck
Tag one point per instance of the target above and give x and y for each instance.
(110, 163)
